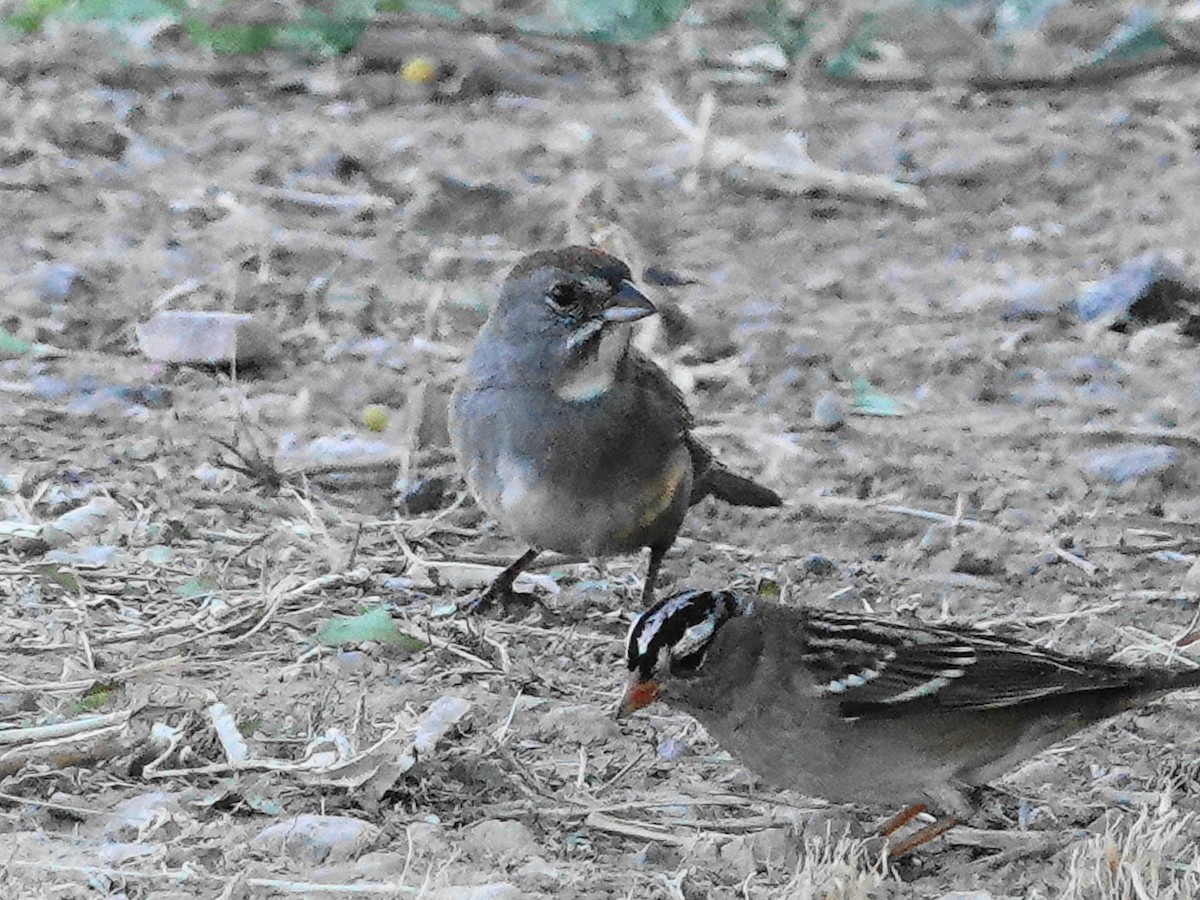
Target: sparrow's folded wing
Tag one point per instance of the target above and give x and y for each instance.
(879, 668)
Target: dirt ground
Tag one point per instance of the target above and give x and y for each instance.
(366, 225)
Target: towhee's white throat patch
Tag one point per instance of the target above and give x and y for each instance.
(595, 372)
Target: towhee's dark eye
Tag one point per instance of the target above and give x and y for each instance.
(562, 299)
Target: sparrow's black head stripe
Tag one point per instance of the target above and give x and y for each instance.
(685, 623)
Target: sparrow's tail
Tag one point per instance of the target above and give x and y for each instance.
(1144, 685)
(725, 485)
(1182, 681)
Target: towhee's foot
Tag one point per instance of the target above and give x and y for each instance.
(506, 600)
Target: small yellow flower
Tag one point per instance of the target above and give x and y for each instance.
(375, 417)
(419, 70)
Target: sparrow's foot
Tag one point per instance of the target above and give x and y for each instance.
(900, 819)
(921, 838)
(899, 848)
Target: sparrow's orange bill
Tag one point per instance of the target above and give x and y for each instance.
(637, 694)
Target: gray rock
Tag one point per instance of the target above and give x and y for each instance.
(539, 873)
(1122, 465)
(500, 839)
(427, 838)
(1191, 580)
(87, 136)
(672, 748)
(500, 890)
(13, 703)
(767, 57)
(116, 853)
(316, 839)
(378, 865)
(345, 449)
(984, 555)
(764, 850)
(936, 539)
(54, 281)
(212, 338)
(818, 565)
(422, 494)
(1023, 234)
(141, 814)
(580, 724)
(90, 520)
(1147, 290)
(1027, 299)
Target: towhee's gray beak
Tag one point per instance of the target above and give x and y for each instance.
(628, 305)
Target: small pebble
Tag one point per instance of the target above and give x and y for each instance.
(936, 539)
(351, 661)
(1027, 299)
(1122, 465)
(672, 748)
(1022, 234)
(55, 280)
(818, 565)
(829, 412)
(767, 56)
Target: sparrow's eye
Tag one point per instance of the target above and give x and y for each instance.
(685, 666)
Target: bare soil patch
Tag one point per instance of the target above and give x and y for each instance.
(367, 224)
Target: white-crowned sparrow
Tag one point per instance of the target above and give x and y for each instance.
(569, 437)
(859, 709)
